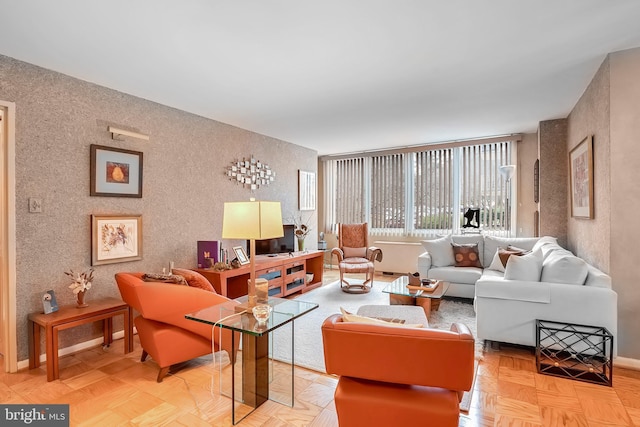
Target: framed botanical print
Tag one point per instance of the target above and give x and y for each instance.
(115, 172)
(115, 238)
(581, 177)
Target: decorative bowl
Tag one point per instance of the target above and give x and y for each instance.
(262, 312)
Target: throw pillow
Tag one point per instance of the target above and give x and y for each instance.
(194, 279)
(466, 255)
(354, 252)
(502, 255)
(164, 278)
(440, 251)
(526, 267)
(566, 268)
(354, 318)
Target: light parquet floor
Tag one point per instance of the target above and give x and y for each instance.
(108, 388)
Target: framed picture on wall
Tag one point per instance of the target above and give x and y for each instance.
(581, 179)
(115, 238)
(306, 191)
(115, 172)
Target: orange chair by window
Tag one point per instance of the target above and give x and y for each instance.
(164, 332)
(395, 376)
(355, 256)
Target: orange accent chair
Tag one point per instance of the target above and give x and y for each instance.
(355, 256)
(164, 332)
(394, 376)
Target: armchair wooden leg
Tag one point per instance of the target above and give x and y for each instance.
(144, 355)
(163, 373)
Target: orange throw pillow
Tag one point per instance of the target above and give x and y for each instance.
(504, 254)
(194, 279)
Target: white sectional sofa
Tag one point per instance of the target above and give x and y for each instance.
(548, 283)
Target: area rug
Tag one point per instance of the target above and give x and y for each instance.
(308, 334)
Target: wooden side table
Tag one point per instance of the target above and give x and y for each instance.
(71, 316)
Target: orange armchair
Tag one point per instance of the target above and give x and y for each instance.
(355, 255)
(164, 332)
(393, 376)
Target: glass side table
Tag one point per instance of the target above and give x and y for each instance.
(253, 388)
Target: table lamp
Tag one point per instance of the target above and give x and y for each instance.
(252, 220)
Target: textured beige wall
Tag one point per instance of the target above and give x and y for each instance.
(58, 117)
(590, 238)
(552, 136)
(527, 155)
(625, 194)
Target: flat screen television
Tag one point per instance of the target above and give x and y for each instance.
(279, 245)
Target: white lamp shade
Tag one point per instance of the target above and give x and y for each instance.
(252, 220)
(508, 171)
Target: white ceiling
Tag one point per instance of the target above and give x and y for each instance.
(334, 75)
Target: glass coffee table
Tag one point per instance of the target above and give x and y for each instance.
(399, 294)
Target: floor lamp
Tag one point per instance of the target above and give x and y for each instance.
(507, 173)
(252, 221)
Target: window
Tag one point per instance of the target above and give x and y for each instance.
(420, 193)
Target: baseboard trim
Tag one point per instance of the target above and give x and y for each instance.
(24, 364)
(625, 362)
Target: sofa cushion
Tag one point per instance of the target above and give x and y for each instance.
(597, 278)
(466, 255)
(525, 268)
(564, 267)
(440, 250)
(544, 240)
(354, 252)
(194, 279)
(491, 245)
(464, 275)
(494, 287)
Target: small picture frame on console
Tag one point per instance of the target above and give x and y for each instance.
(241, 255)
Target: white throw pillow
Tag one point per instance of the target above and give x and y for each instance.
(441, 251)
(525, 267)
(563, 267)
(496, 264)
(354, 318)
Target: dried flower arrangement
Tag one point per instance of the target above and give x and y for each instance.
(81, 281)
(301, 227)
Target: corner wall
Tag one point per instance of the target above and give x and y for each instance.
(184, 184)
(590, 239)
(625, 194)
(609, 110)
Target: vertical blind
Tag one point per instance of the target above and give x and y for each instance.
(419, 193)
(433, 188)
(388, 192)
(483, 187)
(349, 191)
